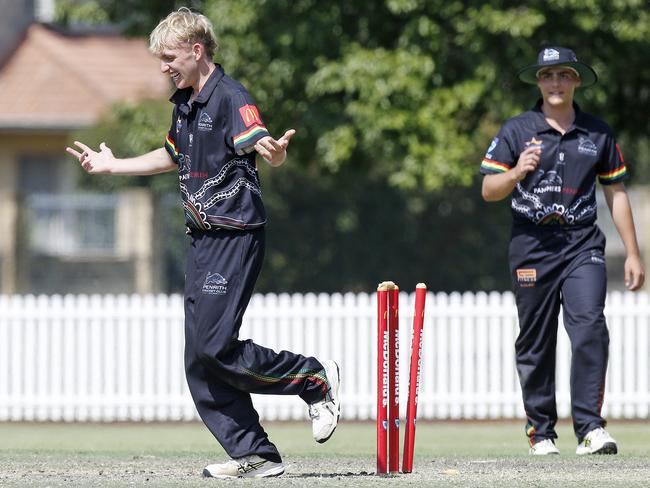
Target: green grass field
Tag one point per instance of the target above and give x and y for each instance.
(447, 454)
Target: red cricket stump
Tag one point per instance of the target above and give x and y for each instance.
(393, 381)
(414, 378)
(382, 377)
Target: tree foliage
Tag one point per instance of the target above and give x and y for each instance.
(413, 91)
(129, 130)
(395, 102)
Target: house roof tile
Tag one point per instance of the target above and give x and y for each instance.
(59, 81)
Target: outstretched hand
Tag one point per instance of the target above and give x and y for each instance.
(272, 150)
(93, 161)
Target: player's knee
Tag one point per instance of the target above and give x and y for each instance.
(216, 353)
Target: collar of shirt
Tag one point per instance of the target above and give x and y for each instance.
(542, 126)
(181, 97)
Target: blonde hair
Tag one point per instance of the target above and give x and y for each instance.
(183, 26)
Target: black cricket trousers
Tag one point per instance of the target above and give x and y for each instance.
(551, 266)
(222, 371)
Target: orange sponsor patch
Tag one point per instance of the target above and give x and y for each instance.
(526, 277)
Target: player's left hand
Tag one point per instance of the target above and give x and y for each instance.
(274, 151)
(634, 273)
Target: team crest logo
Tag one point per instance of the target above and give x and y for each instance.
(551, 55)
(250, 115)
(215, 284)
(179, 124)
(585, 146)
(205, 122)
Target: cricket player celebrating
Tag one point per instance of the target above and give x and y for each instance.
(549, 159)
(216, 131)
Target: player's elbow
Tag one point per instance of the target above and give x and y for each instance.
(494, 189)
(487, 193)
(491, 197)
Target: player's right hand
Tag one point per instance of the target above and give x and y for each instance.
(92, 161)
(528, 161)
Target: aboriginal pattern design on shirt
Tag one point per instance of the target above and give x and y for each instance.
(195, 214)
(197, 203)
(534, 209)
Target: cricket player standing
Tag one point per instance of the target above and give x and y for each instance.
(216, 131)
(548, 159)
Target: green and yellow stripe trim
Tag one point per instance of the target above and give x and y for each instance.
(613, 176)
(317, 377)
(245, 138)
(171, 147)
(494, 166)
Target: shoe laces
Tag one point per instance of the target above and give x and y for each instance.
(314, 411)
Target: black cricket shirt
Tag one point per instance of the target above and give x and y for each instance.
(211, 139)
(562, 189)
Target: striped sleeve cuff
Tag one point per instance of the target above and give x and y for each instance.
(490, 166)
(244, 141)
(171, 148)
(613, 176)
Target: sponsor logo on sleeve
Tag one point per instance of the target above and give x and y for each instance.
(250, 115)
(493, 145)
(526, 277)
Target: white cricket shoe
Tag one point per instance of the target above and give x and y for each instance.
(597, 441)
(245, 467)
(325, 413)
(543, 448)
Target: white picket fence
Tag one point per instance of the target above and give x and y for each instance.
(107, 358)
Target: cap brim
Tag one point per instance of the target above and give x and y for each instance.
(587, 75)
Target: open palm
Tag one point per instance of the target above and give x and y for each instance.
(92, 161)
